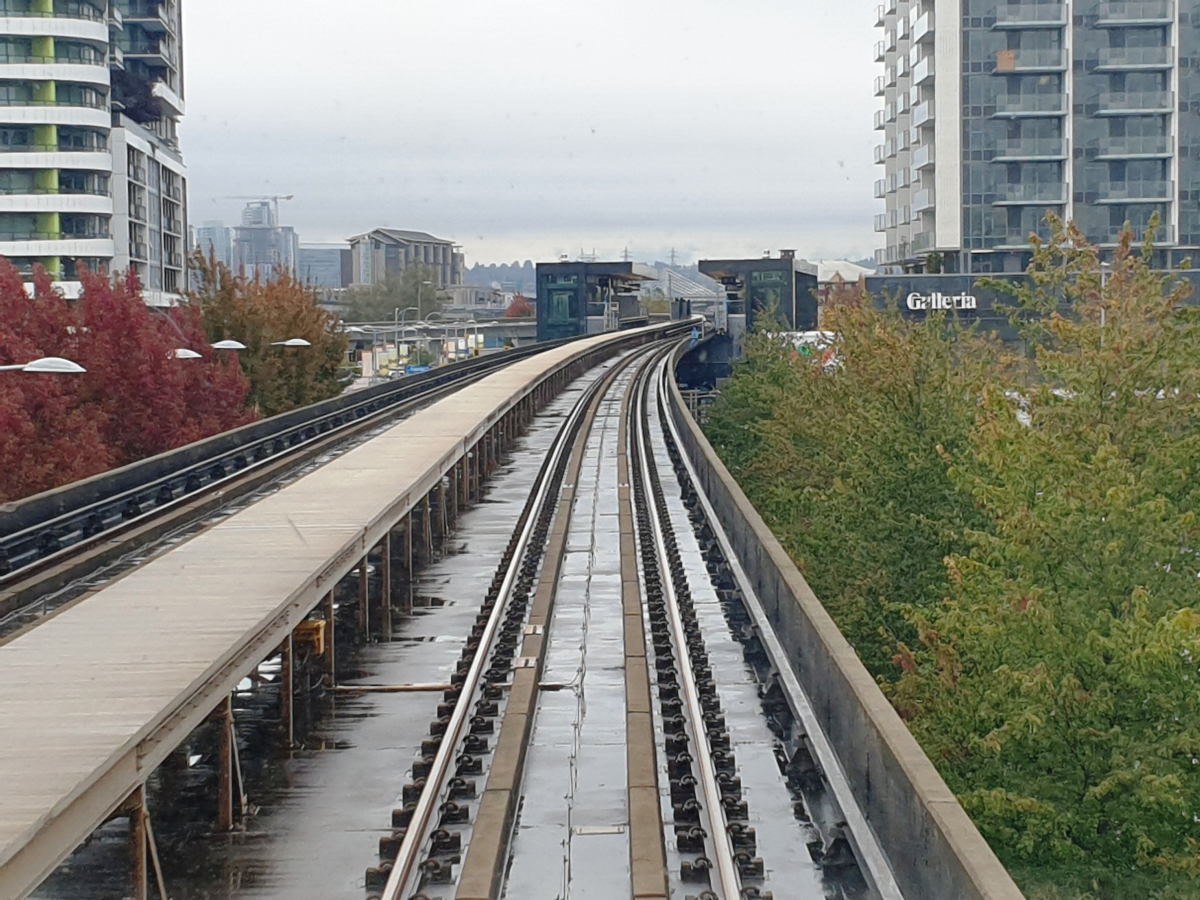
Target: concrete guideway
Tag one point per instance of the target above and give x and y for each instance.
(96, 697)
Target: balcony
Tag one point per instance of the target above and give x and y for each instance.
(174, 260)
(1047, 60)
(923, 71)
(923, 200)
(1030, 149)
(1134, 192)
(1134, 146)
(922, 113)
(880, 51)
(880, 15)
(880, 85)
(923, 157)
(923, 29)
(115, 18)
(1026, 105)
(63, 9)
(138, 211)
(880, 189)
(889, 40)
(1031, 15)
(152, 16)
(116, 57)
(1127, 103)
(1032, 194)
(881, 222)
(922, 240)
(880, 153)
(1129, 58)
(880, 119)
(1136, 12)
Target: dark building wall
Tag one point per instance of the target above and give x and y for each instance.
(754, 286)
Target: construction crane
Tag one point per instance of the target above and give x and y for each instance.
(274, 202)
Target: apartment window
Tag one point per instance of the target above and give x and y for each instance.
(16, 139)
(559, 306)
(15, 93)
(73, 138)
(16, 181)
(72, 182)
(79, 95)
(84, 226)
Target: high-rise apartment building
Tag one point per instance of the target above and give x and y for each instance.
(997, 111)
(91, 94)
(261, 245)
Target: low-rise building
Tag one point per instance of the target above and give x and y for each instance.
(386, 252)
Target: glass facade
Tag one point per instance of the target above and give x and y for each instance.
(1086, 108)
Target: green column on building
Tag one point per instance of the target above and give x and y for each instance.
(45, 93)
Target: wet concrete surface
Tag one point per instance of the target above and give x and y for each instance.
(320, 810)
(571, 839)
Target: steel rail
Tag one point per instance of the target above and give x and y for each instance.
(400, 880)
(873, 861)
(253, 445)
(726, 864)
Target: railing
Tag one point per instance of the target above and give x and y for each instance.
(880, 189)
(1164, 235)
(1116, 11)
(12, 58)
(1031, 103)
(922, 113)
(881, 222)
(1135, 57)
(139, 251)
(97, 102)
(1136, 145)
(923, 156)
(31, 235)
(880, 153)
(1135, 190)
(1015, 15)
(880, 85)
(62, 10)
(923, 28)
(1031, 148)
(1020, 60)
(880, 51)
(922, 240)
(880, 15)
(923, 200)
(879, 119)
(1151, 101)
(923, 71)
(1031, 193)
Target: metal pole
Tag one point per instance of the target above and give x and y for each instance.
(225, 766)
(385, 595)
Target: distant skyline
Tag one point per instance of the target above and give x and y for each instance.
(533, 128)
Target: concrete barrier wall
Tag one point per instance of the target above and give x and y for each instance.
(935, 850)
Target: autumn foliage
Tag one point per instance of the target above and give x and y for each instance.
(135, 400)
(262, 313)
(1010, 537)
(520, 308)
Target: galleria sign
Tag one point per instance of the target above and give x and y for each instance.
(942, 301)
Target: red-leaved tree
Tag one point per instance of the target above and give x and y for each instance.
(136, 398)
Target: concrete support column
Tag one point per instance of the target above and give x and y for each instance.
(364, 601)
(225, 766)
(330, 642)
(385, 593)
(287, 692)
(427, 528)
(139, 863)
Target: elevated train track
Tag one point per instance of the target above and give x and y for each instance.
(647, 705)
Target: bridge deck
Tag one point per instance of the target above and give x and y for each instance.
(94, 698)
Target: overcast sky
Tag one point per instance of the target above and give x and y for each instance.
(523, 129)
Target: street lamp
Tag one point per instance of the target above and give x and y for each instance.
(229, 345)
(185, 353)
(398, 317)
(419, 285)
(292, 342)
(47, 365)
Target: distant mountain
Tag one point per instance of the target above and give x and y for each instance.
(514, 277)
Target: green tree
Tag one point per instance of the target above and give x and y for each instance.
(414, 287)
(1010, 541)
